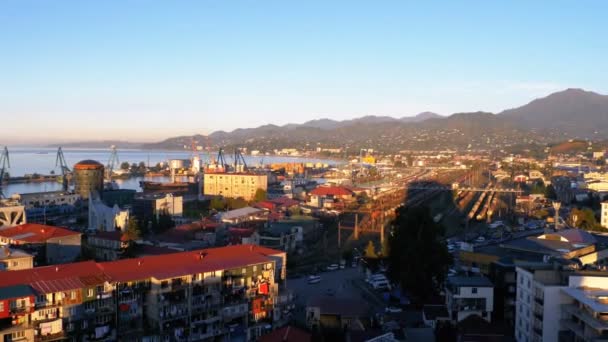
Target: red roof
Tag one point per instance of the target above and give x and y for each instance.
(285, 201)
(57, 278)
(184, 263)
(287, 334)
(35, 233)
(265, 205)
(331, 191)
(78, 275)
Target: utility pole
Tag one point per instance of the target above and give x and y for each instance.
(556, 205)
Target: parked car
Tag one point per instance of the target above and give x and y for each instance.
(314, 279)
(332, 267)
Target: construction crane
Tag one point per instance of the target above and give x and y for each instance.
(112, 163)
(5, 164)
(65, 170)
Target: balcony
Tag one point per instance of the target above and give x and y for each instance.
(50, 337)
(22, 310)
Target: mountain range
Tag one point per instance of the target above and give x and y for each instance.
(568, 114)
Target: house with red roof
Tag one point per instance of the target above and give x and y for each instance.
(51, 245)
(330, 197)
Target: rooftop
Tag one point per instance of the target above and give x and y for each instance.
(88, 164)
(331, 191)
(79, 275)
(473, 281)
(35, 233)
(238, 213)
(116, 235)
(17, 291)
(11, 253)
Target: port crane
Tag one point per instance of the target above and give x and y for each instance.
(5, 163)
(239, 161)
(112, 163)
(65, 170)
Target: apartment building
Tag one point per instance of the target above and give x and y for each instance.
(233, 292)
(469, 295)
(585, 316)
(538, 302)
(235, 185)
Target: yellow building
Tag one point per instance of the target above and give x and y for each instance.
(235, 185)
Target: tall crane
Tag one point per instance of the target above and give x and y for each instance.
(65, 170)
(5, 163)
(112, 163)
(239, 161)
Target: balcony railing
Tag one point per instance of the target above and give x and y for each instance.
(50, 337)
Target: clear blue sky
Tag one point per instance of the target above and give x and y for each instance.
(146, 70)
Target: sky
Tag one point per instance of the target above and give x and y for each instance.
(148, 70)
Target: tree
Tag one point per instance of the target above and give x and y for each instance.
(418, 259)
(132, 231)
(550, 192)
(124, 165)
(260, 195)
(236, 203)
(217, 204)
(370, 250)
(584, 219)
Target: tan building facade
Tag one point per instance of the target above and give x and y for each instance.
(234, 185)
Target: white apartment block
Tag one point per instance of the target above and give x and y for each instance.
(467, 296)
(538, 304)
(585, 317)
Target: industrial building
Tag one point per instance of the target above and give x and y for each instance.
(88, 178)
(217, 294)
(235, 185)
(12, 213)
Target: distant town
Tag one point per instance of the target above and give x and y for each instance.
(368, 245)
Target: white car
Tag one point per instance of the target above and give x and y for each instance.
(393, 309)
(314, 279)
(332, 267)
(480, 239)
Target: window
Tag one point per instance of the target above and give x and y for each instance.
(1, 306)
(89, 292)
(244, 271)
(73, 295)
(474, 290)
(18, 335)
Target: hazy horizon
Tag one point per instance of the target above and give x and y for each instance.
(91, 71)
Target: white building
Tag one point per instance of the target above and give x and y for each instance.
(467, 296)
(106, 219)
(538, 303)
(585, 317)
(604, 218)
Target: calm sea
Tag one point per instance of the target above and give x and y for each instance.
(26, 160)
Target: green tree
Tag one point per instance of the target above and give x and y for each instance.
(132, 231)
(584, 219)
(260, 195)
(217, 204)
(418, 259)
(124, 165)
(550, 192)
(236, 203)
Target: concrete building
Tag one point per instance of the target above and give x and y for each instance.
(330, 197)
(338, 314)
(49, 198)
(234, 185)
(107, 246)
(51, 245)
(539, 302)
(243, 215)
(217, 294)
(147, 206)
(88, 178)
(14, 259)
(469, 295)
(106, 219)
(604, 217)
(12, 213)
